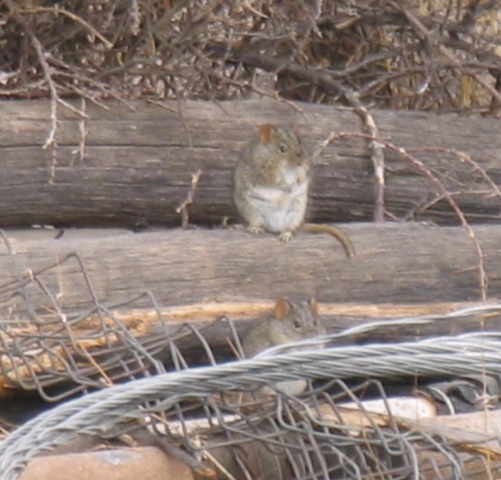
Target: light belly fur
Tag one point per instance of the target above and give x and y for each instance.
(280, 211)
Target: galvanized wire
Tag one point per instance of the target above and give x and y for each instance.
(59, 338)
(460, 355)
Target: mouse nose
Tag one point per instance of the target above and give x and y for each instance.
(298, 157)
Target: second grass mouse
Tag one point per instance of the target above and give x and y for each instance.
(288, 322)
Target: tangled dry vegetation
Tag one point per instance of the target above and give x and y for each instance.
(411, 54)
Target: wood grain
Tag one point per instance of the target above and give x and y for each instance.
(395, 263)
(138, 163)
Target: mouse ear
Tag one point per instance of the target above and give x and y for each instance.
(282, 308)
(313, 303)
(267, 132)
(296, 129)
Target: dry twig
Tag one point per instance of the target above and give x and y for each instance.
(404, 153)
(183, 209)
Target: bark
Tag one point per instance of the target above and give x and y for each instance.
(138, 164)
(404, 263)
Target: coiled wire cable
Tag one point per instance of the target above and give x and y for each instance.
(459, 355)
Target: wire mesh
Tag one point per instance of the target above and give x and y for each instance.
(216, 417)
(294, 437)
(44, 343)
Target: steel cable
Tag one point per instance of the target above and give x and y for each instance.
(460, 355)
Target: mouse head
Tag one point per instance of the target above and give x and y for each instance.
(283, 141)
(299, 320)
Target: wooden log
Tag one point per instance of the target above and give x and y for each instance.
(53, 286)
(138, 164)
(405, 263)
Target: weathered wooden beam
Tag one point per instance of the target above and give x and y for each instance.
(405, 263)
(138, 164)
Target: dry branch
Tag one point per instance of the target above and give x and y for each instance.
(391, 54)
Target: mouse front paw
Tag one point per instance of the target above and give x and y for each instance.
(255, 230)
(286, 236)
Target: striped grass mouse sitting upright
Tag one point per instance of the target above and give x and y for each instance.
(271, 182)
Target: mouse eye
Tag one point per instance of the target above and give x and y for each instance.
(283, 148)
(297, 324)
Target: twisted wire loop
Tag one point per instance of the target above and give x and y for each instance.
(241, 432)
